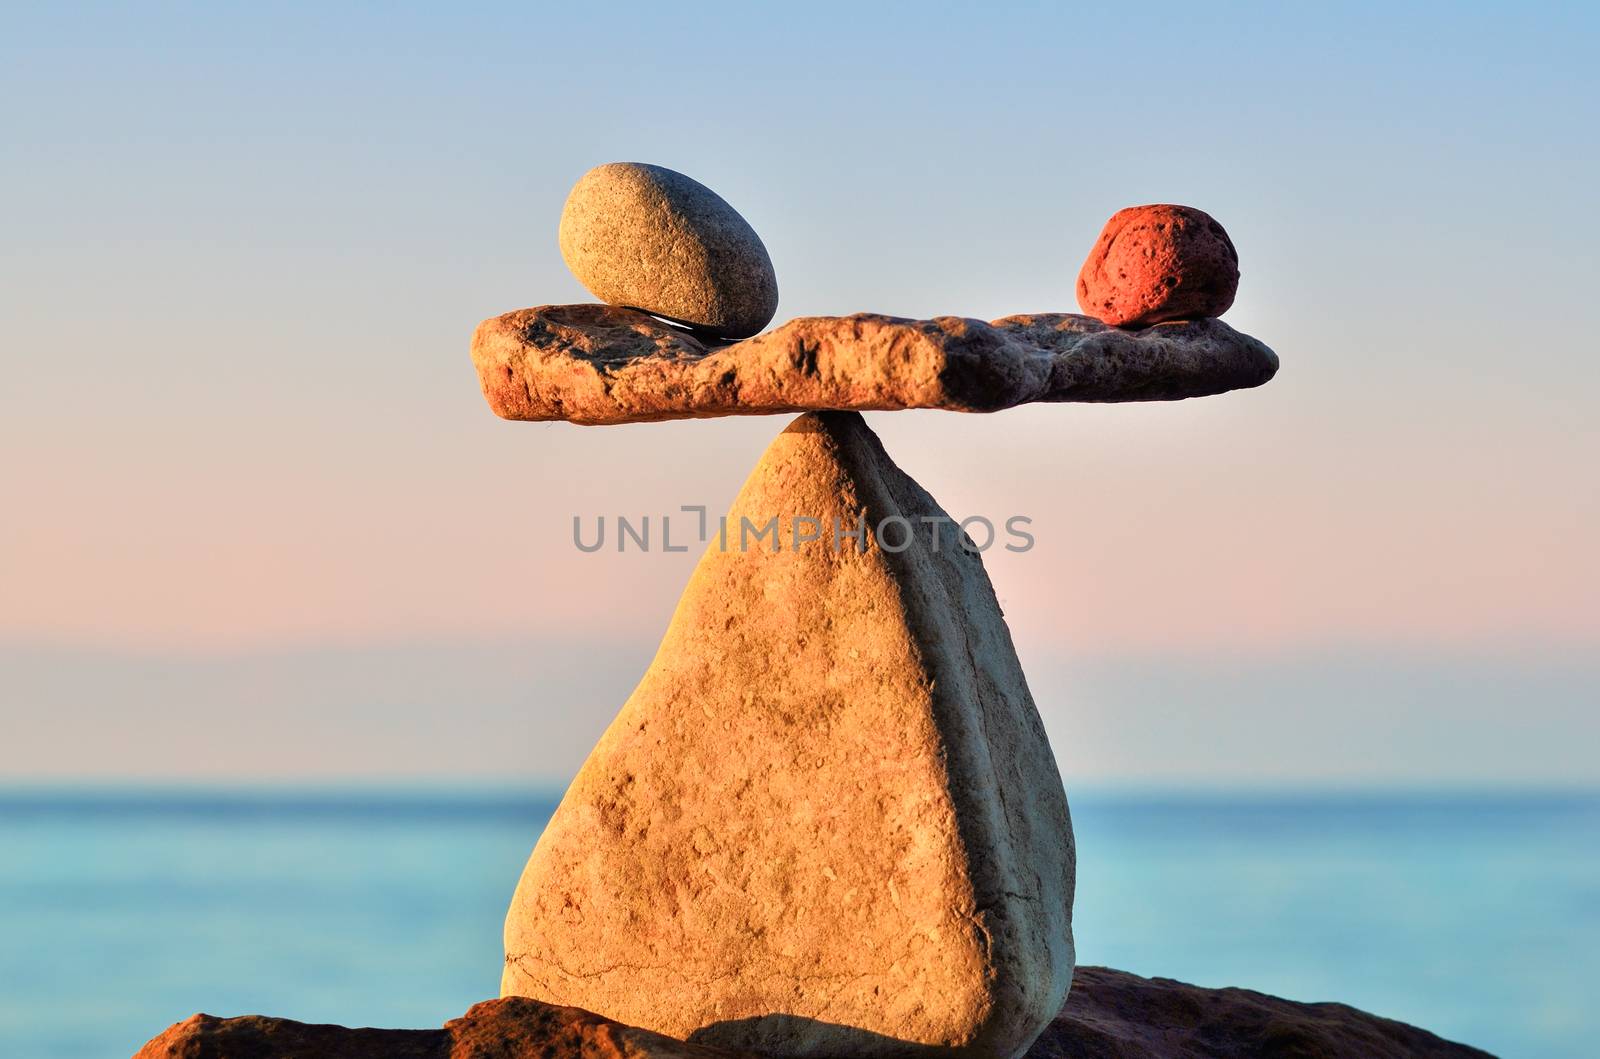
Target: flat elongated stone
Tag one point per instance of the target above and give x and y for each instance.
(828, 821)
(598, 364)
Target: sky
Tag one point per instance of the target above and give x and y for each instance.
(258, 523)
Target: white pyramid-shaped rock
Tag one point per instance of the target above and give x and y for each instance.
(827, 822)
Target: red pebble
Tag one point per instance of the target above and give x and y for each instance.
(1154, 263)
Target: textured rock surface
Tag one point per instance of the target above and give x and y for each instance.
(512, 1028)
(654, 239)
(263, 1037)
(1110, 1015)
(1116, 1015)
(599, 364)
(1155, 263)
(827, 822)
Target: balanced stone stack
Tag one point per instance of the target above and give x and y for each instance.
(828, 821)
(681, 274)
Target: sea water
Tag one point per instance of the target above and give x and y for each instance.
(1476, 916)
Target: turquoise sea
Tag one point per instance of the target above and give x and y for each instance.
(1476, 916)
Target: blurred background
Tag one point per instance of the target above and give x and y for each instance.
(296, 653)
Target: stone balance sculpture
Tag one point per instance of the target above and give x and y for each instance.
(828, 821)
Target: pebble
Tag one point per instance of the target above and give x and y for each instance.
(653, 239)
(1155, 263)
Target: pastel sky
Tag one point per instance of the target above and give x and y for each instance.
(258, 522)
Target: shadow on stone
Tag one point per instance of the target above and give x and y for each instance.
(826, 1040)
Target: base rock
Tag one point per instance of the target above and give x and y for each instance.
(828, 821)
(1117, 1015)
(510, 1028)
(1110, 1015)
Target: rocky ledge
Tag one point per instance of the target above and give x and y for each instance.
(1110, 1015)
(601, 364)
